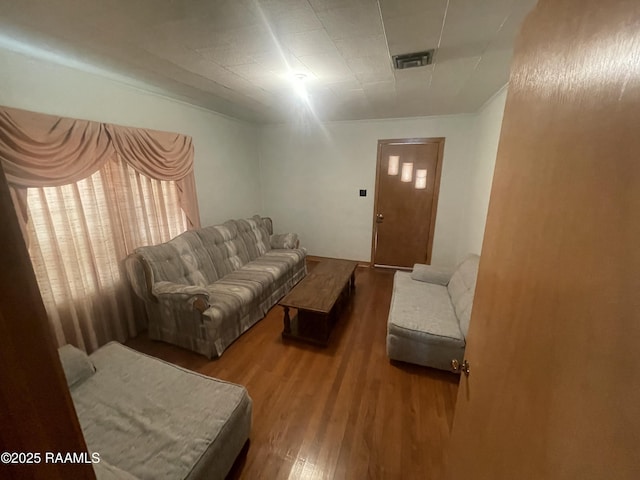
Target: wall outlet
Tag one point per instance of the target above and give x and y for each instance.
(363, 193)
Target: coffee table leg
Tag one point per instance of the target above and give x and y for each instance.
(328, 324)
(287, 321)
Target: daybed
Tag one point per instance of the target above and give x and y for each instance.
(430, 314)
(206, 287)
(148, 419)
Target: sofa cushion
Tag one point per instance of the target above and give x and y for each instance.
(278, 267)
(255, 236)
(182, 259)
(246, 289)
(269, 270)
(235, 244)
(461, 289)
(423, 312)
(227, 251)
(76, 365)
(293, 257)
(234, 295)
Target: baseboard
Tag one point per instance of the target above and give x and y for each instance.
(315, 258)
(392, 267)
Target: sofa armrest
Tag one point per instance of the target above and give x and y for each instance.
(139, 275)
(431, 274)
(184, 297)
(284, 240)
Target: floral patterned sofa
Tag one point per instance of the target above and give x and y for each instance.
(206, 287)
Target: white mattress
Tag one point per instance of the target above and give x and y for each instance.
(155, 420)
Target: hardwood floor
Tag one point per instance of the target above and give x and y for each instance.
(341, 412)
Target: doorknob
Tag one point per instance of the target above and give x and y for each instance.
(379, 217)
(460, 367)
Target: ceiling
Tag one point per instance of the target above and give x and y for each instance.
(239, 57)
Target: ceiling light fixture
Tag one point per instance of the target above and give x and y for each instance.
(299, 86)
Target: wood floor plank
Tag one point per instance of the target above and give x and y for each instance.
(334, 413)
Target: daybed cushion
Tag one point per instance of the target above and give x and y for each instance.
(155, 420)
(105, 471)
(422, 326)
(461, 289)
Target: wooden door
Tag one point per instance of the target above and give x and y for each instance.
(407, 185)
(554, 386)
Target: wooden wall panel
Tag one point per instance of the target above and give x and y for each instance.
(36, 410)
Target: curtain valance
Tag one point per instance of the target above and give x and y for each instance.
(44, 151)
(39, 150)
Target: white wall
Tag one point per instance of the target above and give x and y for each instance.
(488, 124)
(311, 179)
(226, 157)
(307, 179)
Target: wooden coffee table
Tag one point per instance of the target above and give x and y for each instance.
(318, 299)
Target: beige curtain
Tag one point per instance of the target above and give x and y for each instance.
(88, 194)
(164, 155)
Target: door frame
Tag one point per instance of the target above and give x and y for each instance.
(436, 191)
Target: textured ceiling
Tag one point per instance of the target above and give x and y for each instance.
(239, 57)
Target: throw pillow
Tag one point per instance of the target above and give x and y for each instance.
(284, 240)
(76, 364)
(430, 274)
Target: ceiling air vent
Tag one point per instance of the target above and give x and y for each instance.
(412, 60)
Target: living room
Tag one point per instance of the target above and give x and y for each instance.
(306, 176)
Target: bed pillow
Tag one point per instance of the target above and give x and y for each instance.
(76, 365)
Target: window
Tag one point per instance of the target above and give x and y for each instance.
(79, 235)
